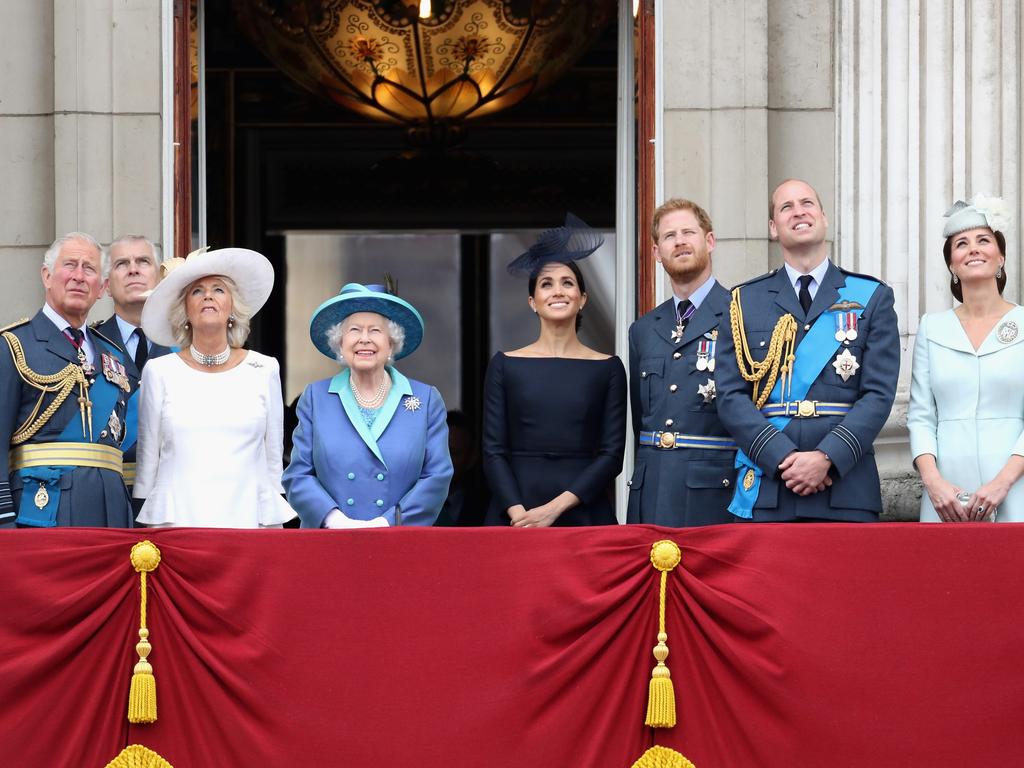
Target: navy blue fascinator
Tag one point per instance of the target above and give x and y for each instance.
(571, 242)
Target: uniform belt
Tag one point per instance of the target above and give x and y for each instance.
(670, 440)
(66, 454)
(806, 409)
(129, 472)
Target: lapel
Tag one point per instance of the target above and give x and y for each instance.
(828, 292)
(785, 296)
(56, 342)
(110, 331)
(341, 387)
(945, 330)
(992, 343)
(708, 315)
(665, 321)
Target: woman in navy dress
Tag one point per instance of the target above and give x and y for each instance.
(555, 410)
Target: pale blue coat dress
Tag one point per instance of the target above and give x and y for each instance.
(967, 406)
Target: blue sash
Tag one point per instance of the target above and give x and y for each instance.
(103, 395)
(813, 354)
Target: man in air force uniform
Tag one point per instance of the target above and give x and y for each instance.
(64, 390)
(683, 473)
(807, 376)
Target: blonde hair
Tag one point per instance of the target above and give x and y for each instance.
(238, 331)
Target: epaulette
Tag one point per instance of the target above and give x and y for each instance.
(757, 279)
(861, 274)
(15, 324)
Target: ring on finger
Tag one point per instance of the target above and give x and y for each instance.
(981, 509)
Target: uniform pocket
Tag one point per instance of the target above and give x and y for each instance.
(709, 489)
(652, 375)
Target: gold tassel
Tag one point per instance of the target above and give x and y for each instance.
(662, 757)
(661, 697)
(138, 756)
(145, 558)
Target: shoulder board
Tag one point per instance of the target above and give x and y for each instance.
(757, 279)
(860, 274)
(107, 339)
(15, 324)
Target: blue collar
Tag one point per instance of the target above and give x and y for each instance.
(400, 387)
(697, 296)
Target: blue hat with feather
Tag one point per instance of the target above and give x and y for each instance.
(355, 297)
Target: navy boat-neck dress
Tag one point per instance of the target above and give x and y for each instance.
(554, 424)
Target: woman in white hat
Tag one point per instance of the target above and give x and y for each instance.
(371, 446)
(966, 415)
(210, 416)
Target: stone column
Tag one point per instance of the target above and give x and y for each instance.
(80, 106)
(928, 111)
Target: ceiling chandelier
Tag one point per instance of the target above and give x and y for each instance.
(427, 65)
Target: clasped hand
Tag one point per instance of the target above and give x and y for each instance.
(806, 472)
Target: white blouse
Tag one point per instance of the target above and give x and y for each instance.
(210, 445)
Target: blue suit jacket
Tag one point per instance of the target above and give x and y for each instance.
(338, 462)
(88, 496)
(683, 486)
(848, 440)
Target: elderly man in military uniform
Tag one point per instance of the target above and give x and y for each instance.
(64, 390)
(807, 375)
(133, 270)
(683, 473)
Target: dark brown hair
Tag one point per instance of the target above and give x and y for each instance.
(957, 288)
(535, 274)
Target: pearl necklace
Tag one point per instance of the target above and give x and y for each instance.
(209, 360)
(378, 396)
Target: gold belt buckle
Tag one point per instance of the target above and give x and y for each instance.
(667, 440)
(806, 409)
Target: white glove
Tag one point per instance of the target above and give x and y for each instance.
(338, 519)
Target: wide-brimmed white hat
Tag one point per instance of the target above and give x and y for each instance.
(249, 270)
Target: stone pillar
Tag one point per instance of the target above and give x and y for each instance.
(80, 122)
(928, 112)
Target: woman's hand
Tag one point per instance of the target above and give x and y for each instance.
(987, 498)
(545, 514)
(943, 496)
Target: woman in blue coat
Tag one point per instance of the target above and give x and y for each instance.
(371, 446)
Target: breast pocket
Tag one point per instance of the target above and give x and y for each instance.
(652, 378)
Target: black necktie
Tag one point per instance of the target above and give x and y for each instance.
(805, 293)
(684, 309)
(141, 351)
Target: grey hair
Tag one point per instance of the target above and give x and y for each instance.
(396, 334)
(126, 240)
(50, 257)
(238, 332)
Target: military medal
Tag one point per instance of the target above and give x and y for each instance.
(411, 403)
(748, 480)
(42, 498)
(677, 334)
(703, 348)
(846, 326)
(115, 372)
(1006, 332)
(114, 425)
(846, 365)
(711, 353)
(707, 391)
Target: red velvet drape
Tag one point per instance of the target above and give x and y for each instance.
(791, 645)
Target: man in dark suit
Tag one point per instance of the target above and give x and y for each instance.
(133, 271)
(64, 391)
(807, 376)
(684, 459)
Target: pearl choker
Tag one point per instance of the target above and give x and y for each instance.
(209, 360)
(378, 396)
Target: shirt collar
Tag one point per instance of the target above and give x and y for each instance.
(126, 328)
(818, 273)
(697, 296)
(59, 321)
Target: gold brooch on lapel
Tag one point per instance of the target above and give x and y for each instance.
(412, 403)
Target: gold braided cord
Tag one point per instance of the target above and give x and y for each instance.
(778, 360)
(138, 756)
(61, 382)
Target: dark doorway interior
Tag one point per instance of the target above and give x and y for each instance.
(281, 160)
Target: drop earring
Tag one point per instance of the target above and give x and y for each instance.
(999, 272)
(956, 280)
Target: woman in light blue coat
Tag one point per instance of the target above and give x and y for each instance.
(371, 446)
(966, 415)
